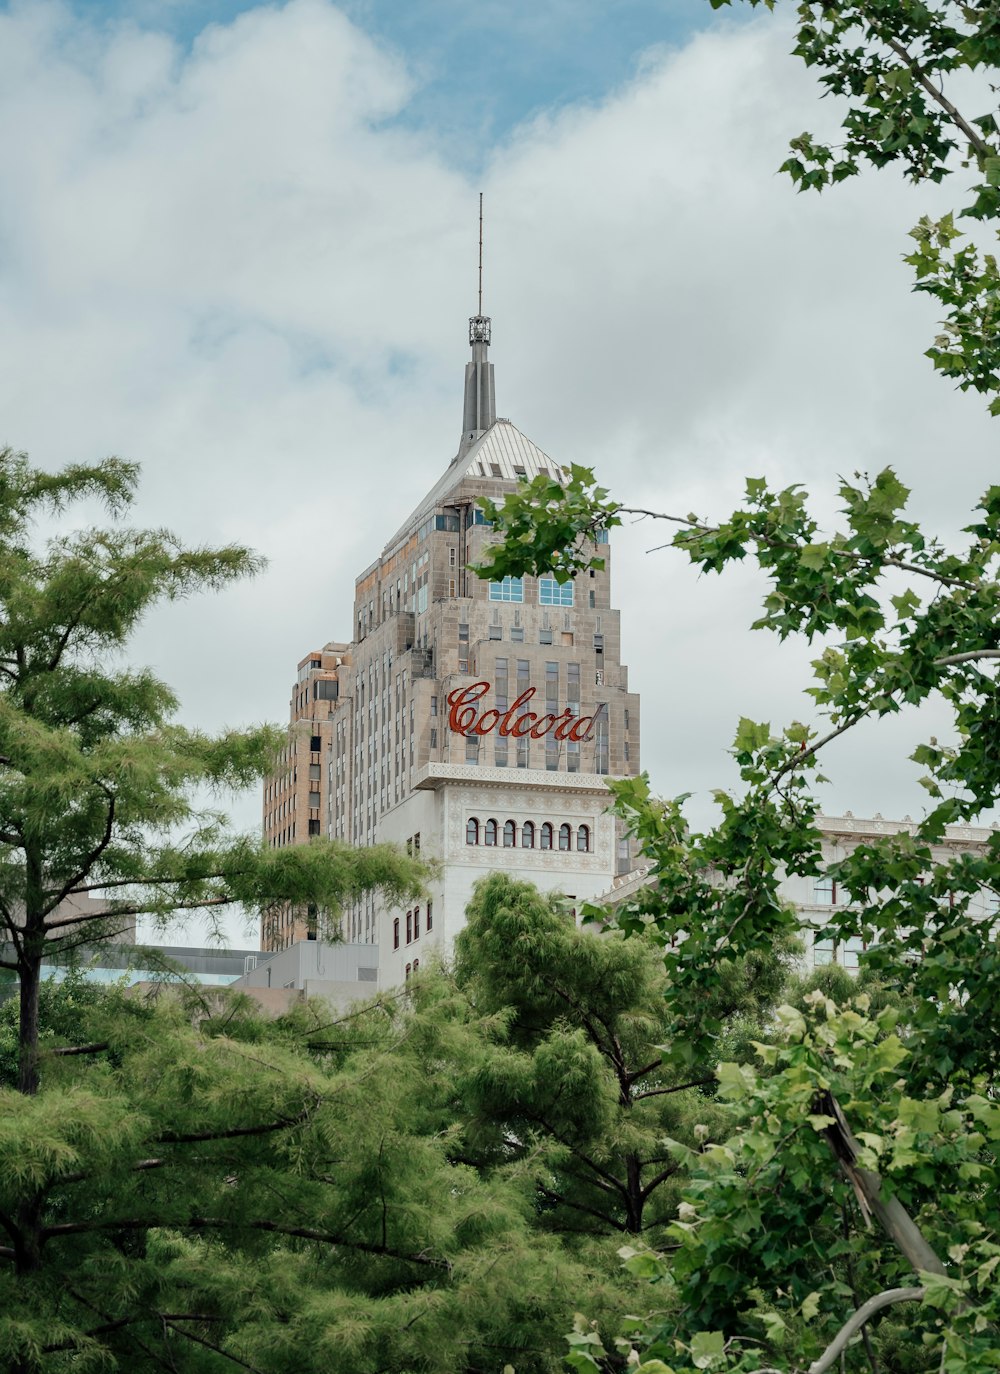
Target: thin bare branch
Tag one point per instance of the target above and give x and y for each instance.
(970, 656)
(864, 1314)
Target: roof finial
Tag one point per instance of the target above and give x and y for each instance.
(480, 406)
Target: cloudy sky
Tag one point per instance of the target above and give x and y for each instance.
(238, 245)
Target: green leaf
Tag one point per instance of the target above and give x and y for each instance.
(707, 1347)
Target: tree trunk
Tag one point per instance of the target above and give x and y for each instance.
(30, 973)
(634, 1199)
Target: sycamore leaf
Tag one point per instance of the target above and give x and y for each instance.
(706, 1348)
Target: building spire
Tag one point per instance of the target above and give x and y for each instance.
(480, 401)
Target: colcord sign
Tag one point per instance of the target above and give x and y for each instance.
(464, 717)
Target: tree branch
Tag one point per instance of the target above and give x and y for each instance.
(199, 1340)
(659, 1178)
(562, 1201)
(864, 1314)
(139, 910)
(88, 863)
(97, 1048)
(662, 1092)
(235, 1132)
(71, 1228)
(969, 656)
(976, 140)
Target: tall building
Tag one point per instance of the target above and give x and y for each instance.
(295, 795)
(474, 721)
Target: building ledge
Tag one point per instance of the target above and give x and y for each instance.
(435, 775)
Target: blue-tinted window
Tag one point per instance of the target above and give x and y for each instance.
(510, 589)
(553, 593)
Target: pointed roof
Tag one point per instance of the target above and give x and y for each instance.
(503, 453)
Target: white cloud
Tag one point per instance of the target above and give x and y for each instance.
(235, 265)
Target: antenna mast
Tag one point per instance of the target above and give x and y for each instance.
(480, 252)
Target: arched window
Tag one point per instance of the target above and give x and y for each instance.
(408, 968)
(583, 839)
(472, 831)
(409, 926)
(416, 965)
(509, 834)
(528, 835)
(490, 832)
(545, 836)
(395, 933)
(416, 923)
(565, 834)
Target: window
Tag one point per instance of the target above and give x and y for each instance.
(409, 927)
(408, 968)
(472, 831)
(463, 633)
(602, 537)
(395, 933)
(583, 839)
(598, 644)
(416, 965)
(314, 772)
(601, 763)
(822, 952)
(517, 634)
(429, 922)
(496, 632)
(510, 589)
(553, 593)
(850, 951)
(314, 799)
(327, 689)
(528, 835)
(315, 743)
(545, 636)
(434, 708)
(490, 833)
(545, 836)
(314, 827)
(509, 834)
(472, 748)
(499, 751)
(452, 557)
(824, 891)
(416, 923)
(565, 832)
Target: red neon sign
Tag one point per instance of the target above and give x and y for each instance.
(464, 719)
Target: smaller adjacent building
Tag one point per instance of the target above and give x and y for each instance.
(817, 897)
(296, 796)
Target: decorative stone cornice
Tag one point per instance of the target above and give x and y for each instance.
(436, 775)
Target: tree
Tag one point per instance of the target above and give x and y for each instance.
(97, 782)
(579, 1086)
(99, 822)
(849, 1120)
(213, 1190)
